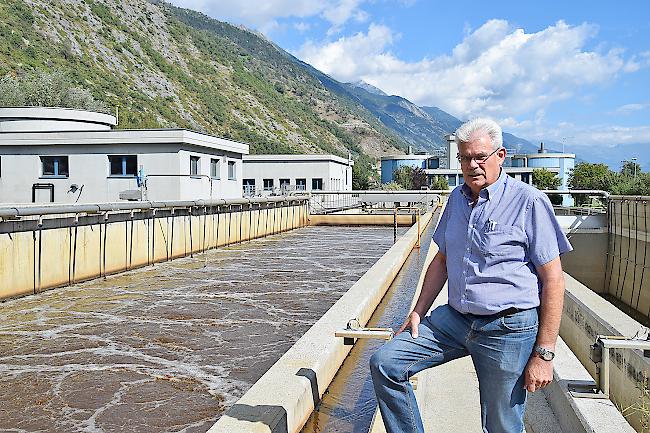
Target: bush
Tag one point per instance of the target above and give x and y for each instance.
(46, 90)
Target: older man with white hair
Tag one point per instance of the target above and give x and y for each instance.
(499, 252)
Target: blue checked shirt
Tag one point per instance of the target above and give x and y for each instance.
(492, 249)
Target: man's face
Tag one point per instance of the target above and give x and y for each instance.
(479, 175)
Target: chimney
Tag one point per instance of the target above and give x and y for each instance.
(541, 148)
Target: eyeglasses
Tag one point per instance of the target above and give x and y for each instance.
(480, 159)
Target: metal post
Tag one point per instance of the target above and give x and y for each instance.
(395, 226)
(604, 375)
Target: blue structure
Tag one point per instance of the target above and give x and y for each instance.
(519, 166)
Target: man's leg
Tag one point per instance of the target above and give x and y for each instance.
(441, 338)
(500, 350)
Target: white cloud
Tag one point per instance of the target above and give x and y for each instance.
(496, 70)
(264, 15)
(577, 136)
(629, 108)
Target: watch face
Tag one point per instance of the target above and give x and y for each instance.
(545, 354)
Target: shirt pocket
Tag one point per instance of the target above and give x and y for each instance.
(503, 241)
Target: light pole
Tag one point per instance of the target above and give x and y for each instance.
(634, 162)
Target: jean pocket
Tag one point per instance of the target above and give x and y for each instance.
(522, 321)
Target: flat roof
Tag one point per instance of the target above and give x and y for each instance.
(412, 156)
(543, 155)
(121, 136)
(297, 158)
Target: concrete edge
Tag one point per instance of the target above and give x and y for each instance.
(580, 415)
(284, 397)
(360, 219)
(377, 424)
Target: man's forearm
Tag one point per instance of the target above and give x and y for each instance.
(434, 280)
(551, 303)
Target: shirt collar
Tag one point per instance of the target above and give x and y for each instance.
(488, 192)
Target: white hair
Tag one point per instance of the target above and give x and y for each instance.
(482, 124)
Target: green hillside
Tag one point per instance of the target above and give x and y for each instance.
(170, 67)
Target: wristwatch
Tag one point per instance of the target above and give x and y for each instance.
(544, 353)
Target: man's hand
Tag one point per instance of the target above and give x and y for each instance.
(538, 373)
(412, 321)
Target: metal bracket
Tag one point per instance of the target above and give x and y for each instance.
(585, 389)
(354, 331)
(606, 342)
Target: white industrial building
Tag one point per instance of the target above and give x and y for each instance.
(66, 156)
(279, 174)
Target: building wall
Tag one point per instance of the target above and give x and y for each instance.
(200, 186)
(334, 176)
(21, 168)
(388, 166)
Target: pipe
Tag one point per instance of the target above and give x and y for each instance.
(21, 211)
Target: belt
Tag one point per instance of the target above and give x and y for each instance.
(508, 311)
(502, 313)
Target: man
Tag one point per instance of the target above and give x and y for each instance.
(499, 246)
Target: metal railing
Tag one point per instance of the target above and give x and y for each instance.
(336, 201)
(628, 220)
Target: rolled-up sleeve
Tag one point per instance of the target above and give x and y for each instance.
(546, 240)
(439, 234)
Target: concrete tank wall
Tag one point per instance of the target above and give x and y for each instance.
(586, 315)
(32, 261)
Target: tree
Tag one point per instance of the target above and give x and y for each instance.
(631, 169)
(410, 177)
(403, 176)
(360, 177)
(591, 176)
(418, 178)
(544, 179)
(392, 186)
(439, 182)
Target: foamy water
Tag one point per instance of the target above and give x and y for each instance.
(170, 347)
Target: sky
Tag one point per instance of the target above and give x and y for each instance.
(574, 72)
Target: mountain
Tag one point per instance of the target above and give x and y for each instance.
(368, 87)
(165, 66)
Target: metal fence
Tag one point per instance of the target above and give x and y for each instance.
(627, 257)
(337, 201)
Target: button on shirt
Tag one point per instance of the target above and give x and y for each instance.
(492, 248)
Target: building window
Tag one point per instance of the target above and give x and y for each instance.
(284, 184)
(249, 186)
(215, 169)
(301, 184)
(55, 166)
(433, 163)
(123, 165)
(317, 184)
(525, 177)
(451, 179)
(232, 173)
(268, 184)
(195, 165)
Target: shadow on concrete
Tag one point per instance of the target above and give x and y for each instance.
(313, 380)
(275, 417)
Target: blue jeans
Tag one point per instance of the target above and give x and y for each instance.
(499, 346)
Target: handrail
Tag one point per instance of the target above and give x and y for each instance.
(12, 212)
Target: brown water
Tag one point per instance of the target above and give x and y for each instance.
(170, 347)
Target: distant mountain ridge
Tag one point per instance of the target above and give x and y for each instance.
(166, 66)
